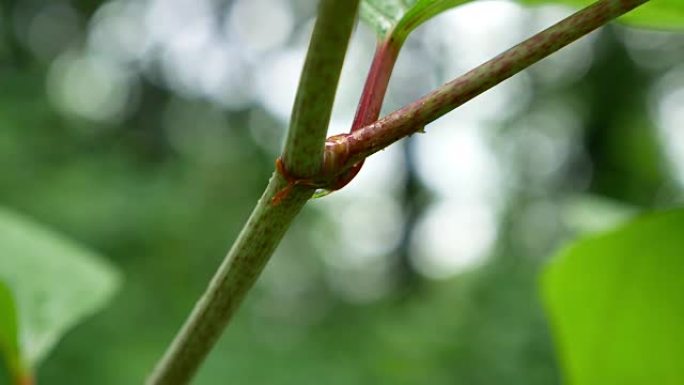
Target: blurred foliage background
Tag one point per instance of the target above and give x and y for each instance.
(147, 130)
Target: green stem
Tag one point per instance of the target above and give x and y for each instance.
(346, 151)
(269, 221)
(311, 113)
(236, 275)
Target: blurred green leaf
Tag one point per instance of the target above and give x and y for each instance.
(400, 17)
(56, 282)
(616, 304)
(9, 348)
(654, 14)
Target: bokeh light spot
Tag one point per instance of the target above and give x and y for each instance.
(89, 87)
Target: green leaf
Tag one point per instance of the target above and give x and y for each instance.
(616, 304)
(9, 347)
(668, 14)
(400, 17)
(56, 282)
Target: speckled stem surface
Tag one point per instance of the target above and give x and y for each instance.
(412, 118)
(236, 275)
(268, 222)
(317, 86)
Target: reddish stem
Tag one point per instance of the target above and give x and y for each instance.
(374, 90)
(362, 142)
(370, 103)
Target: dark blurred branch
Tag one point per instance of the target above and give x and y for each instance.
(18, 56)
(621, 142)
(413, 204)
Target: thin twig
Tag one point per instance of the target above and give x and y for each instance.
(348, 150)
(370, 102)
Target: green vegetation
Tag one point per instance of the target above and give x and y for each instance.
(615, 303)
(158, 182)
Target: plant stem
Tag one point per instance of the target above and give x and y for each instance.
(347, 151)
(372, 96)
(302, 156)
(316, 92)
(268, 222)
(236, 275)
(375, 88)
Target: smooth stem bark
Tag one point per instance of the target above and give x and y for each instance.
(378, 78)
(269, 221)
(412, 118)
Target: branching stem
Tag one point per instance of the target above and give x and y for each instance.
(350, 149)
(268, 222)
(302, 156)
(370, 103)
